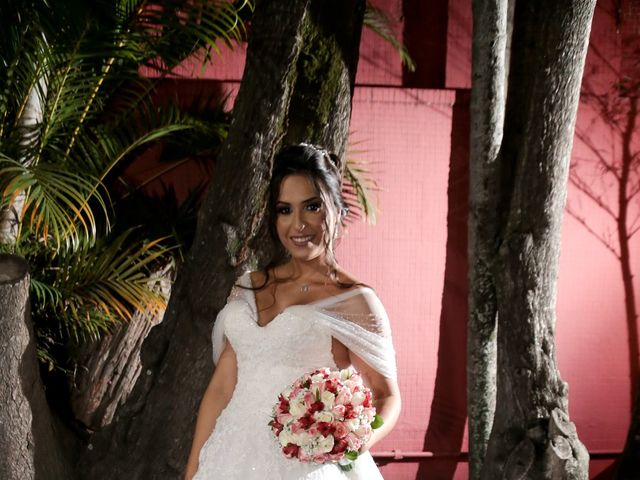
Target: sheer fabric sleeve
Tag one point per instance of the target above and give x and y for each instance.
(360, 322)
(218, 339)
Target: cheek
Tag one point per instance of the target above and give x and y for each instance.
(281, 227)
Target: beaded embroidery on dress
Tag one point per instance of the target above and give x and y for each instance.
(270, 358)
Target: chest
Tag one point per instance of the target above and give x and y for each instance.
(275, 299)
(290, 337)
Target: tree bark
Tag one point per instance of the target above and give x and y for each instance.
(151, 434)
(532, 436)
(487, 120)
(28, 438)
(28, 122)
(111, 366)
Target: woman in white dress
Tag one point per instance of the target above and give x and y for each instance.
(301, 312)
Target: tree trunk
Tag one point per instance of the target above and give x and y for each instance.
(151, 434)
(532, 436)
(29, 120)
(28, 438)
(487, 119)
(111, 366)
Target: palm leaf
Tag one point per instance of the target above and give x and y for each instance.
(57, 205)
(89, 288)
(379, 23)
(359, 186)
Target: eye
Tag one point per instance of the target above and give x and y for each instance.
(314, 206)
(283, 210)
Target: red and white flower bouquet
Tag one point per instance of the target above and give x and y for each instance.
(325, 416)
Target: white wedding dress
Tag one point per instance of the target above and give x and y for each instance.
(270, 358)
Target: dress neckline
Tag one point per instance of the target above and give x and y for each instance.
(316, 303)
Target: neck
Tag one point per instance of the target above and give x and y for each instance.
(307, 270)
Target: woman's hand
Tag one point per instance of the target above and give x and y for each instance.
(386, 398)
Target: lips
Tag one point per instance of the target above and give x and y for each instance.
(301, 241)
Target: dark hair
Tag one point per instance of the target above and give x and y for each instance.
(324, 170)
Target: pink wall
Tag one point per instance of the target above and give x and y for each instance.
(415, 140)
(405, 134)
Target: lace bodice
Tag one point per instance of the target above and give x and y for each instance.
(269, 359)
(355, 317)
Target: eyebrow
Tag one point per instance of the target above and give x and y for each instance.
(304, 201)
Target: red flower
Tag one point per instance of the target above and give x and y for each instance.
(276, 426)
(340, 446)
(331, 386)
(305, 421)
(291, 450)
(326, 428)
(284, 404)
(316, 407)
(349, 412)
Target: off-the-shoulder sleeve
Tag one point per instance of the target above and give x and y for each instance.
(360, 322)
(218, 339)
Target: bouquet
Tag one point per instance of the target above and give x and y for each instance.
(325, 416)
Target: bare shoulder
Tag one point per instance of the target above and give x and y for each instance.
(350, 279)
(258, 278)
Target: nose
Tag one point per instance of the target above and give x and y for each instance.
(299, 222)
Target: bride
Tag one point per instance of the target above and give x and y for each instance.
(301, 312)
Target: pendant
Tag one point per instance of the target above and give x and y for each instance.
(304, 288)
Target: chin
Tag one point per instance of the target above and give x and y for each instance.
(305, 256)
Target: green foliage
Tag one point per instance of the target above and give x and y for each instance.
(83, 291)
(358, 187)
(379, 23)
(377, 422)
(73, 109)
(351, 455)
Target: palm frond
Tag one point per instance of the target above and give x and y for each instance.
(57, 207)
(89, 288)
(359, 186)
(45, 294)
(378, 22)
(182, 28)
(103, 147)
(82, 60)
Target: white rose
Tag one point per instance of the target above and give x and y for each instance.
(297, 408)
(285, 438)
(357, 398)
(302, 439)
(345, 374)
(353, 424)
(323, 417)
(325, 445)
(328, 399)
